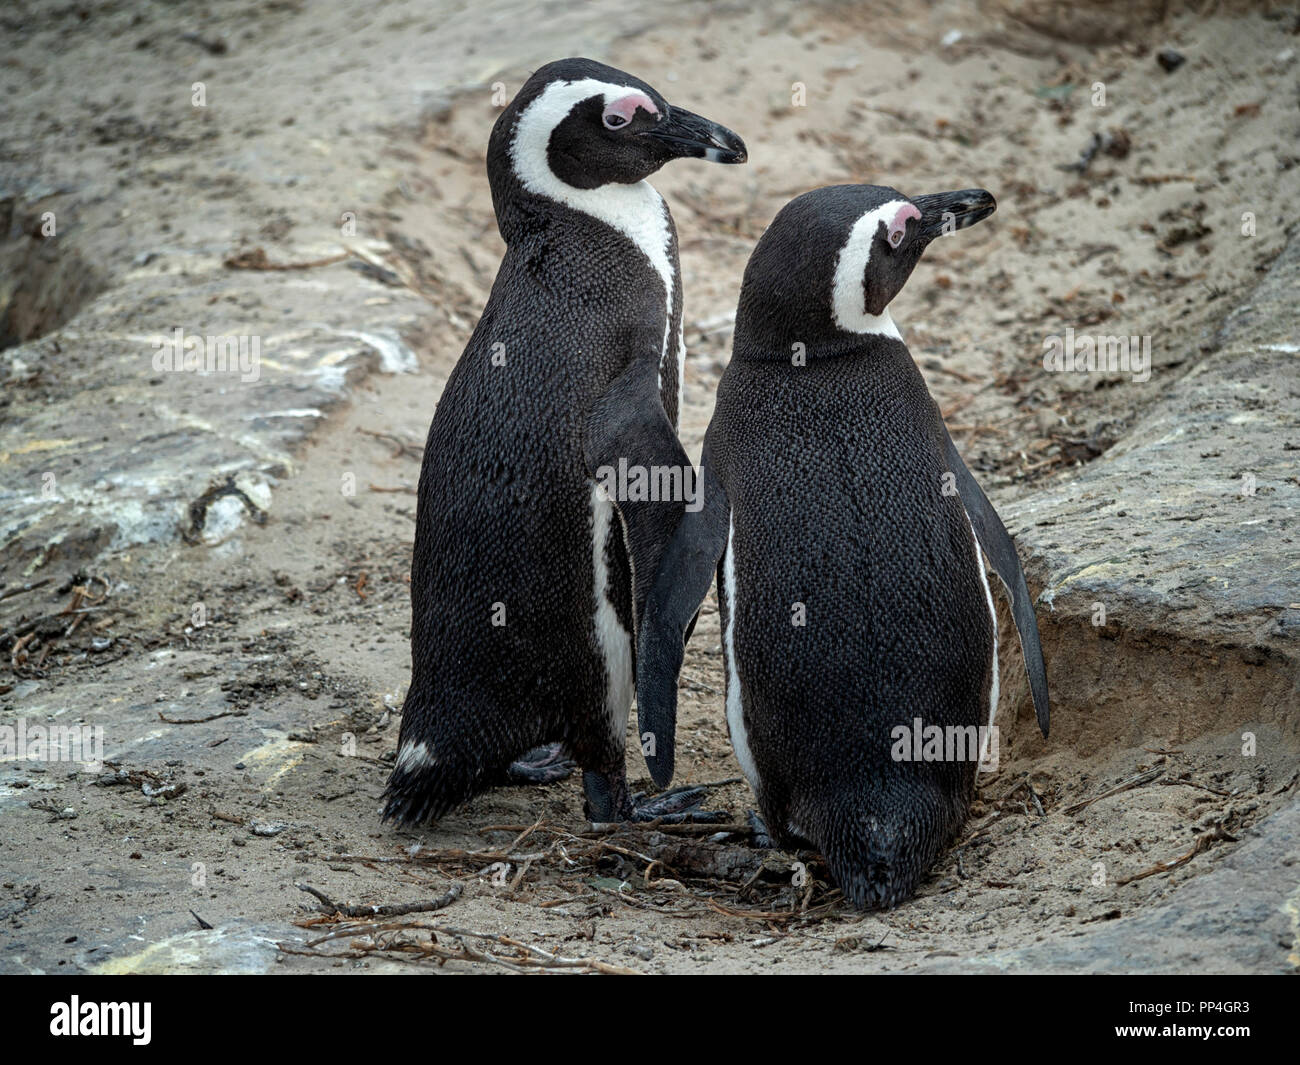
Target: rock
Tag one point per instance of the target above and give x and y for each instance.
(1086, 22)
(1185, 534)
(1170, 60)
(237, 947)
(1241, 917)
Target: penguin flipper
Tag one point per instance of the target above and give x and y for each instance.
(628, 430)
(685, 571)
(997, 544)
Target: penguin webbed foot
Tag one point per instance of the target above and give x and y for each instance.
(761, 837)
(609, 802)
(542, 765)
(676, 806)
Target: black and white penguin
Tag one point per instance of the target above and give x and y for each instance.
(846, 534)
(526, 572)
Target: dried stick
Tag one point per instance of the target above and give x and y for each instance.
(1128, 785)
(391, 909)
(1203, 841)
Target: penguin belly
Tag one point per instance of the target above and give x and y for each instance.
(734, 693)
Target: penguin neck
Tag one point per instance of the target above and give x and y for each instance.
(636, 212)
(877, 325)
(776, 342)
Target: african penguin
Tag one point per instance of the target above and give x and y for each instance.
(846, 534)
(527, 571)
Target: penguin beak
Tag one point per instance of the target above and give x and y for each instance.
(947, 212)
(687, 135)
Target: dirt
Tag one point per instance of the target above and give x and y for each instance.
(294, 678)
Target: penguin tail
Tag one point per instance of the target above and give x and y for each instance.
(879, 858)
(413, 798)
(873, 885)
(427, 779)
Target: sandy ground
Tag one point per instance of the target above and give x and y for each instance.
(294, 681)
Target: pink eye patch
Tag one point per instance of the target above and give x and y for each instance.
(618, 113)
(898, 227)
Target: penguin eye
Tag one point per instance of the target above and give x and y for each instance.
(618, 113)
(898, 227)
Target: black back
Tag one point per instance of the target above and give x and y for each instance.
(860, 603)
(834, 473)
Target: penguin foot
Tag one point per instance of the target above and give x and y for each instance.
(761, 837)
(676, 806)
(608, 802)
(542, 765)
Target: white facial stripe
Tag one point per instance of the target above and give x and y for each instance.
(637, 211)
(849, 299)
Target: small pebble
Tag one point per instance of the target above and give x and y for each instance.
(1170, 60)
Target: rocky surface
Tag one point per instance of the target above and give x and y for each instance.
(1173, 562)
(252, 135)
(1243, 917)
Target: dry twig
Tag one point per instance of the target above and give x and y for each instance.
(1128, 785)
(391, 909)
(1203, 841)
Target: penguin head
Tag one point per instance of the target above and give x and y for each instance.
(578, 125)
(833, 259)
